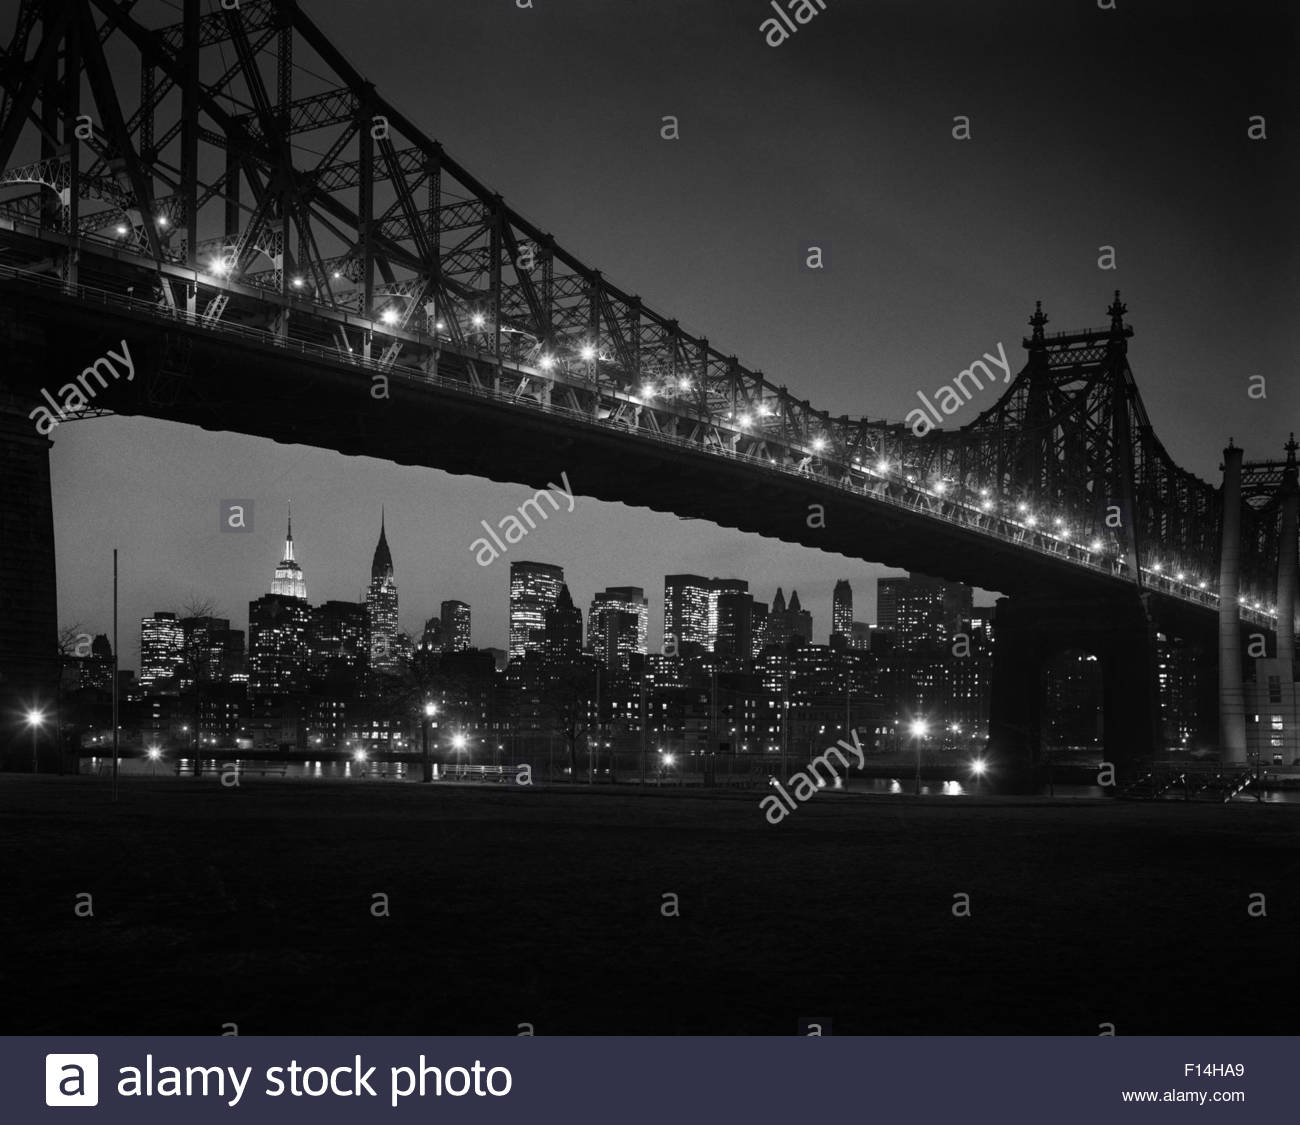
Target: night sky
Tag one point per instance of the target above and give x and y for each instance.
(1125, 128)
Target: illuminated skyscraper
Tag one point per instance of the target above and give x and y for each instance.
(842, 611)
(214, 652)
(278, 650)
(381, 607)
(784, 623)
(686, 611)
(562, 635)
(338, 644)
(921, 611)
(455, 626)
(734, 637)
(534, 588)
(717, 588)
(162, 645)
(618, 599)
(289, 580)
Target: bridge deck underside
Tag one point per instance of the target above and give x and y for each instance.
(188, 375)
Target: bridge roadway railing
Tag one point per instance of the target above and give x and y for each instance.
(889, 489)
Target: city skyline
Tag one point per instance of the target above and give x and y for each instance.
(413, 618)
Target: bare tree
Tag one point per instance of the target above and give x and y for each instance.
(198, 606)
(74, 640)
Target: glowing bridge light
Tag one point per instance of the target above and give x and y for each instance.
(819, 444)
(478, 320)
(647, 390)
(1155, 567)
(588, 352)
(1200, 585)
(1180, 576)
(389, 316)
(1095, 545)
(984, 491)
(297, 283)
(940, 487)
(547, 363)
(1031, 520)
(683, 384)
(163, 222)
(121, 230)
(337, 276)
(882, 466)
(1059, 521)
(440, 326)
(986, 505)
(1022, 507)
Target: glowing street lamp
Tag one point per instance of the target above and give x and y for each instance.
(35, 720)
(154, 755)
(918, 729)
(430, 709)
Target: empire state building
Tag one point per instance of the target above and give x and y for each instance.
(289, 581)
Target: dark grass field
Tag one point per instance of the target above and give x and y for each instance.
(253, 906)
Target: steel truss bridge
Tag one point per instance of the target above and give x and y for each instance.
(230, 192)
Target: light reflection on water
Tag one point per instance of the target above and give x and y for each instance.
(401, 771)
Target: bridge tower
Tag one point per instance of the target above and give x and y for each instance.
(1232, 705)
(1081, 460)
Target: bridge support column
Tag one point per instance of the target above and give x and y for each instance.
(1015, 702)
(1287, 565)
(1232, 704)
(29, 665)
(1030, 631)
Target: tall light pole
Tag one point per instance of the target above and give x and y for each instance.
(35, 719)
(919, 729)
(430, 709)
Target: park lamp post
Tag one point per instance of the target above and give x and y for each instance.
(430, 709)
(919, 729)
(35, 720)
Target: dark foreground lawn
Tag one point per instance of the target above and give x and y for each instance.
(512, 905)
